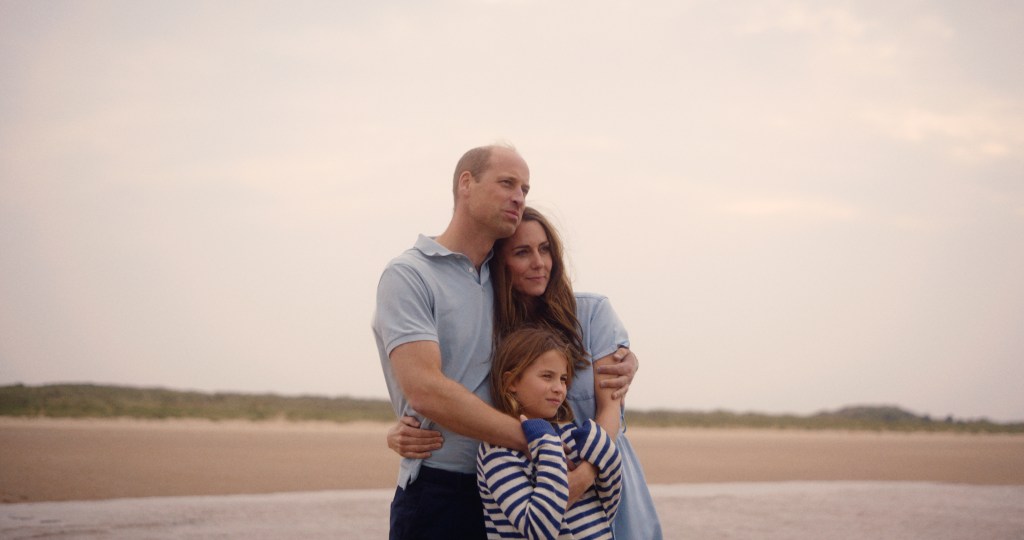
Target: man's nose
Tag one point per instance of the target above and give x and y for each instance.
(519, 196)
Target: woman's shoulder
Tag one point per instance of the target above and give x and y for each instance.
(587, 301)
(590, 297)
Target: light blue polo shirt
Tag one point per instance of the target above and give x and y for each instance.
(429, 293)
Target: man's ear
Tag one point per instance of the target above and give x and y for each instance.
(465, 179)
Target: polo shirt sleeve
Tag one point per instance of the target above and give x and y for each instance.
(405, 308)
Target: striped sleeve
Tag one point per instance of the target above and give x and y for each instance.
(512, 499)
(595, 446)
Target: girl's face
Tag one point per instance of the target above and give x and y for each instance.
(527, 255)
(541, 388)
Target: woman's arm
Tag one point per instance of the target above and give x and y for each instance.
(608, 416)
(609, 407)
(535, 510)
(409, 441)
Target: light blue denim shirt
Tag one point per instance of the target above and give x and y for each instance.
(603, 333)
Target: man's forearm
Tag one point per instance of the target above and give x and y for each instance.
(456, 408)
(417, 366)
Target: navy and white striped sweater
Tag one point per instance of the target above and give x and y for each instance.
(526, 498)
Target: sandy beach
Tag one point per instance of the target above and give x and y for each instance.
(61, 460)
(126, 479)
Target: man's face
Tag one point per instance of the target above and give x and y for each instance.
(498, 196)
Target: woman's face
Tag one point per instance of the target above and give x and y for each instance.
(527, 256)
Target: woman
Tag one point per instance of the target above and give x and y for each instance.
(531, 287)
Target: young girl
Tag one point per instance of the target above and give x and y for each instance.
(526, 496)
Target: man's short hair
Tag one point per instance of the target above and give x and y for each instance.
(475, 161)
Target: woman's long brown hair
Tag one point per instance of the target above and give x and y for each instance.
(555, 308)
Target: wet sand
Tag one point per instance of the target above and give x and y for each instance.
(127, 479)
(763, 510)
(63, 460)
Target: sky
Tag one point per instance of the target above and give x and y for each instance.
(793, 206)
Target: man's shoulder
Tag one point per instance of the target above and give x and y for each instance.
(422, 256)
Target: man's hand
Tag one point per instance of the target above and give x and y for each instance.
(623, 370)
(409, 441)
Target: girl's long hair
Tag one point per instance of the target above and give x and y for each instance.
(556, 308)
(514, 354)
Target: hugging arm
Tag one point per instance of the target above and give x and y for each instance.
(619, 373)
(417, 368)
(609, 417)
(408, 440)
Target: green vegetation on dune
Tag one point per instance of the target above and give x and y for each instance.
(861, 418)
(96, 401)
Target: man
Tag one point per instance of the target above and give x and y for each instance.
(433, 331)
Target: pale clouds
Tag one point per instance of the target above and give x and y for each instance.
(981, 132)
(793, 208)
(793, 205)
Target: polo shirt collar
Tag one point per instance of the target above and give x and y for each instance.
(428, 246)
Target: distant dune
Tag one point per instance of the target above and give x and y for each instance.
(100, 401)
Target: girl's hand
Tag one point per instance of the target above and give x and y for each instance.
(409, 441)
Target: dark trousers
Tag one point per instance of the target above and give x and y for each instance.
(438, 505)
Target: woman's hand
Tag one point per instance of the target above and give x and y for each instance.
(581, 477)
(623, 370)
(409, 441)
